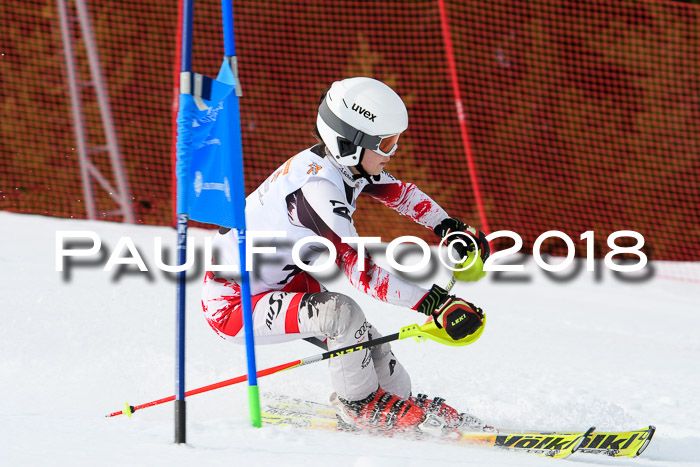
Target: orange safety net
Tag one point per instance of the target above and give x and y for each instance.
(581, 115)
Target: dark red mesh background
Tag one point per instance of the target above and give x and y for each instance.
(582, 115)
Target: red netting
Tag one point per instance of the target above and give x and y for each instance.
(582, 115)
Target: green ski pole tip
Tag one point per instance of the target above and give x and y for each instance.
(127, 410)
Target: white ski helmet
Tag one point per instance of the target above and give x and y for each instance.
(358, 114)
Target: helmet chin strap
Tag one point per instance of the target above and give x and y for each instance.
(357, 170)
(362, 173)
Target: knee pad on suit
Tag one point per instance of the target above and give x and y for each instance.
(338, 315)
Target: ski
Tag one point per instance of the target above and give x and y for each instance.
(618, 444)
(286, 411)
(548, 444)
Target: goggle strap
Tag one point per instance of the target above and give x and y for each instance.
(349, 132)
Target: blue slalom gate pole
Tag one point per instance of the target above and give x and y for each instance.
(182, 222)
(253, 391)
(227, 19)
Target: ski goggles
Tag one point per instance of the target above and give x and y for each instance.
(384, 145)
(388, 145)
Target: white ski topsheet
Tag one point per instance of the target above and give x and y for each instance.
(556, 355)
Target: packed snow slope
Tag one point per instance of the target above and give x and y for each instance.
(557, 354)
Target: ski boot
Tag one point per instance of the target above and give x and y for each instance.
(462, 422)
(380, 411)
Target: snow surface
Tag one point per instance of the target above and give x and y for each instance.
(555, 355)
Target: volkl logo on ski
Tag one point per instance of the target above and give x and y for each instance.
(610, 442)
(549, 443)
(618, 444)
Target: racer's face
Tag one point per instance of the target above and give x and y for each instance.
(374, 163)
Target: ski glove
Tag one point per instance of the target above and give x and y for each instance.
(458, 317)
(468, 236)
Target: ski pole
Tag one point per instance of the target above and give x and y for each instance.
(429, 330)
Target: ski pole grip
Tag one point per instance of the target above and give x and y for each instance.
(412, 330)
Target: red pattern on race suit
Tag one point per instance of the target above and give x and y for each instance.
(406, 199)
(374, 281)
(224, 311)
(308, 206)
